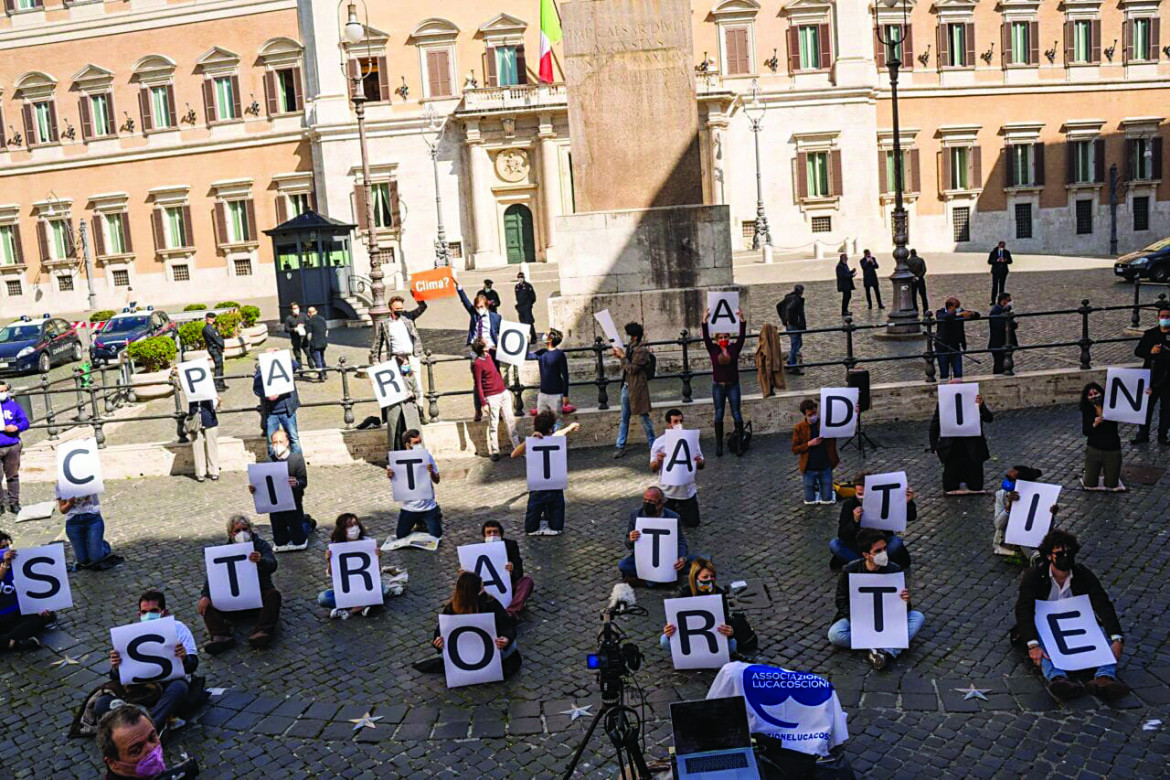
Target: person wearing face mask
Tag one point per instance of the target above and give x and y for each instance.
(290, 528)
(469, 598)
(701, 582)
(318, 341)
(1154, 350)
(15, 422)
(545, 514)
(425, 511)
(818, 456)
(1001, 331)
(724, 354)
(398, 336)
(844, 547)
(493, 398)
(132, 748)
(484, 323)
(962, 456)
(278, 412)
(218, 622)
(845, 284)
(1102, 442)
(525, 300)
(522, 584)
(869, 277)
(553, 394)
(164, 699)
(653, 505)
(350, 529)
(875, 559)
(1004, 498)
(681, 499)
(17, 631)
(1063, 578)
(493, 297)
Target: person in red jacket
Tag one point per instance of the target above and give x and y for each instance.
(492, 398)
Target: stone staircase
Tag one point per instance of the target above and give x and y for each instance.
(363, 319)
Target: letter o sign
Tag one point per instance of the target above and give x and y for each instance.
(489, 648)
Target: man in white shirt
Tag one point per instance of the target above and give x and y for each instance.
(399, 335)
(682, 499)
(425, 510)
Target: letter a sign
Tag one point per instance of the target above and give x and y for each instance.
(489, 560)
(276, 372)
(680, 448)
(721, 307)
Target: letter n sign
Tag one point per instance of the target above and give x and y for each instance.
(1125, 395)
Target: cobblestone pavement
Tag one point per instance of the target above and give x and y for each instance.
(286, 711)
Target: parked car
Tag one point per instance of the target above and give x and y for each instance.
(1151, 263)
(28, 345)
(128, 326)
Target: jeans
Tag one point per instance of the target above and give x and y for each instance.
(546, 505)
(318, 358)
(326, 598)
(86, 533)
(624, 428)
(796, 342)
(1051, 672)
(848, 554)
(949, 362)
(839, 632)
(727, 393)
(818, 485)
(172, 696)
(407, 520)
(280, 420)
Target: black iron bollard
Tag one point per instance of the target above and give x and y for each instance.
(686, 368)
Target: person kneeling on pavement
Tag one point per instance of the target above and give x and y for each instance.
(470, 598)
(132, 747)
(875, 559)
(17, 631)
(290, 528)
(701, 582)
(844, 547)
(1063, 578)
(424, 511)
(219, 628)
(522, 585)
(653, 505)
(350, 529)
(1004, 498)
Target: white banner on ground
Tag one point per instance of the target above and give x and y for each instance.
(696, 644)
(878, 618)
(470, 655)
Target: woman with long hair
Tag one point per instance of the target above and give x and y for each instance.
(349, 528)
(701, 582)
(1103, 442)
(469, 598)
(724, 355)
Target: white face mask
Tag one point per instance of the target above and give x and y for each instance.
(493, 538)
(280, 450)
(677, 426)
(353, 533)
(4, 396)
(881, 559)
(481, 311)
(242, 536)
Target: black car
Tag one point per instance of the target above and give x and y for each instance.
(37, 345)
(128, 326)
(1151, 263)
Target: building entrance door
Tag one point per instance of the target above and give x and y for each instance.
(518, 234)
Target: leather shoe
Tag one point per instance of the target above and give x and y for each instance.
(1108, 688)
(1065, 689)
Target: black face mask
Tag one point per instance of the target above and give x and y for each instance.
(1063, 560)
(649, 509)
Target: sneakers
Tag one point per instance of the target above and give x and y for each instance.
(366, 611)
(175, 723)
(537, 532)
(1065, 689)
(338, 613)
(26, 644)
(879, 659)
(213, 477)
(551, 532)
(283, 548)
(1107, 688)
(811, 503)
(620, 452)
(999, 549)
(829, 501)
(219, 644)
(200, 479)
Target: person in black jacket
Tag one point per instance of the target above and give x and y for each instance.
(469, 598)
(218, 622)
(962, 456)
(869, 277)
(1154, 350)
(215, 347)
(493, 297)
(318, 333)
(950, 338)
(278, 411)
(295, 326)
(1103, 442)
(845, 284)
(525, 300)
(1061, 578)
(1002, 331)
(917, 267)
(874, 560)
(701, 582)
(791, 313)
(290, 528)
(849, 524)
(522, 584)
(999, 259)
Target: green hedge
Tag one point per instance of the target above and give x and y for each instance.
(195, 307)
(153, 354)
(102, 316)
(191, 334)
(227, 305)
(228, 324)
(250, 315)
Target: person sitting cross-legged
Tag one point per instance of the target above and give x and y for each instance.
(350, 529)
(239, 531)
(844, 547)
(1061, 577)
(701, 582)
(469, 598)
(17, 631)
(875, 559)
(653, 505)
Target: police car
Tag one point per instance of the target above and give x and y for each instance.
(130, 325)
(37, 345)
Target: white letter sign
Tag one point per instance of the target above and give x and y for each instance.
(79, 470)
(1125, 395)
(412, 481)
(680, 448)
(1071, 636)
(1030, 518)
(722, 307)
(547, 462)
(233, 580)
(147, 651)
(696, 644)
(489, 560)
(389, 386)
(276, 372)
(877, 614)
(470, 655)
(884, 503)
(357, 577)
(273, 493)
(839, 412)
(611, 332)
(513, 343)
(958, 414)
(656, 550)
(41, 579)
(197, 380)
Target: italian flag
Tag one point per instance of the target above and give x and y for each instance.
(550, 33)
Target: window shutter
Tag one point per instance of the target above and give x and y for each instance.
(521, 65)
(793, 49)
(43, 240)
(1095, 40)
(172, 120)
(1156, 163)
(30, 137)
(1038, 165)
(393, 203)
(735, 46)
(125, 219)
(359, 207)
(885, 185)
(1070, 167)
(99, 236)
(491, 79)
(976, 168)
(52, 121)
(915, 175)
(144, 109)
(1033, 43)
(188, 232)
(86, 121)
(836, 180)
(944, 47)
(944, 156)
(237, 111)
(1099, 160)
(70, 245)
(1005, 40)
(281, 209)
(383, 81)
(1069, 39)
(157, 229)
(19, 246)
(111, 116)
(802, 175)
(209, 100)
(1128, 32)
(1129, 168)
(879, 49)
(298, 89)
(10, 6)
(270, 93)
(1010, 165)
(439, 73)
(251, 231)
(1155, 33)
(825, 53)
(908, 47)
(969, 40)
(221, 233)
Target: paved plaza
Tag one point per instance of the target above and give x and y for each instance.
(286, 711)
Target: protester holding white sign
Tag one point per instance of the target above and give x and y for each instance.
(276, 372)
(956, 436)
(677, 458)
(1032, 512)
(882, 501)
(410, 475)
(357, 578)
(79, 469)
(202, 425)
(489, 562)
(513, 346)
(260, 563)
(349, 528)
(723, 308)
(522, 584)
(698, 632)
(605, 320)
(492, 398)
(654, 553)
(1102, 442)
(839, 411)
(1127, 396)
(84, 524)
(17, 631)
(1154, 350)
(475, 650)
(278, 488)
(817, 454)
(700, 581)
(1060, 628)
(874, 616)
(1005, 498)
(422, 510)
(725, 388)
(197, 381)
(546, 467)
(41, 579)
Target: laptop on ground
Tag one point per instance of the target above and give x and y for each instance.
(712, 740)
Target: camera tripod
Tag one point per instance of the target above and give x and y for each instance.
(860, 439)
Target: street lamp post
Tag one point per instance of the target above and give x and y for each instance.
(761, 236)
(432, 123)
(356, 32)
(903, 317)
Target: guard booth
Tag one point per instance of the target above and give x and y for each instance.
(313, 264)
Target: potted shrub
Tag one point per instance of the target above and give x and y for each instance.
(191, 336)
(254, 331)
(153, 357)
(102, 316)
(195, 307)
(228, 305)
(229, 326)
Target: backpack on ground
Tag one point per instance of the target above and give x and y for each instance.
(738, 441)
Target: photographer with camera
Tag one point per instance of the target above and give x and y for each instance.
(653, 505)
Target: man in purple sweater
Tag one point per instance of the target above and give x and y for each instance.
(15, 423)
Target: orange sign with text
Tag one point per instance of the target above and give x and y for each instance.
(436, 283)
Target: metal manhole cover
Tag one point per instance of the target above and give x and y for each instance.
(1142, 475)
